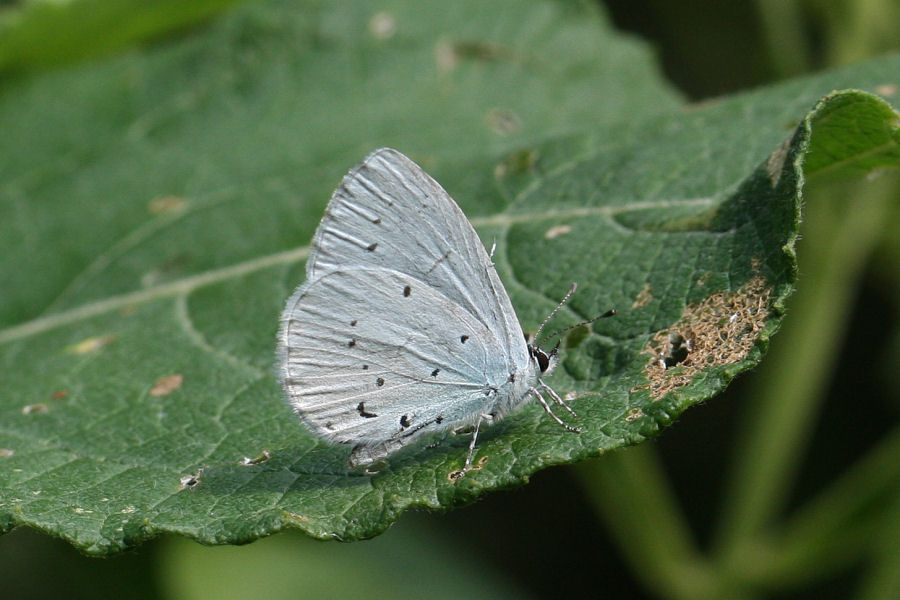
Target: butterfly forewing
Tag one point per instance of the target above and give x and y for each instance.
(389, 213)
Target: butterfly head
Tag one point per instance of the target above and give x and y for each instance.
(546, 361)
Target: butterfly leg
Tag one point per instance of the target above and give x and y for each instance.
(537, 394)
(456, 475)
(471, 451)
(552, 393)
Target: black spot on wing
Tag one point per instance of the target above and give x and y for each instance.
(361, 409)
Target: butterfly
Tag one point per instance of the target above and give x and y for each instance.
(403, 327)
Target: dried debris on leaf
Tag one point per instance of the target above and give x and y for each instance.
(719, 330)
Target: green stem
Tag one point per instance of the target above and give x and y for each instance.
(847, 500)
(857, 30)
(784, 36)
(837, 526)
(628, 488)
(883, 580)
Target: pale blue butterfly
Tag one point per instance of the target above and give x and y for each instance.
(403, 327)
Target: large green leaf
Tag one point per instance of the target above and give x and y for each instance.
(156, 210)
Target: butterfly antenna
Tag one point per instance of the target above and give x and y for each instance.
(555, 310)
(608, 313)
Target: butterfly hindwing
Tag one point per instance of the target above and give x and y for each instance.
(370, 355)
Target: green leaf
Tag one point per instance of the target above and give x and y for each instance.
(154, 222)
(40, 33)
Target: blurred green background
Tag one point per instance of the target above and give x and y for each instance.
(563, 535)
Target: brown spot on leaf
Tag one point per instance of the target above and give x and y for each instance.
(38, 408)
(91, 344)
(454, 476)
(643, 297)
(556, 231)
(775, 163)
(719, 330)
(448, 54)
(256, 460)
(295, 516)
(165, 204)
(189, 482)
(634, 414)
(59, 394)
(166, 385)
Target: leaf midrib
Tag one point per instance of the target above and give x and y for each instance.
(190, 283)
